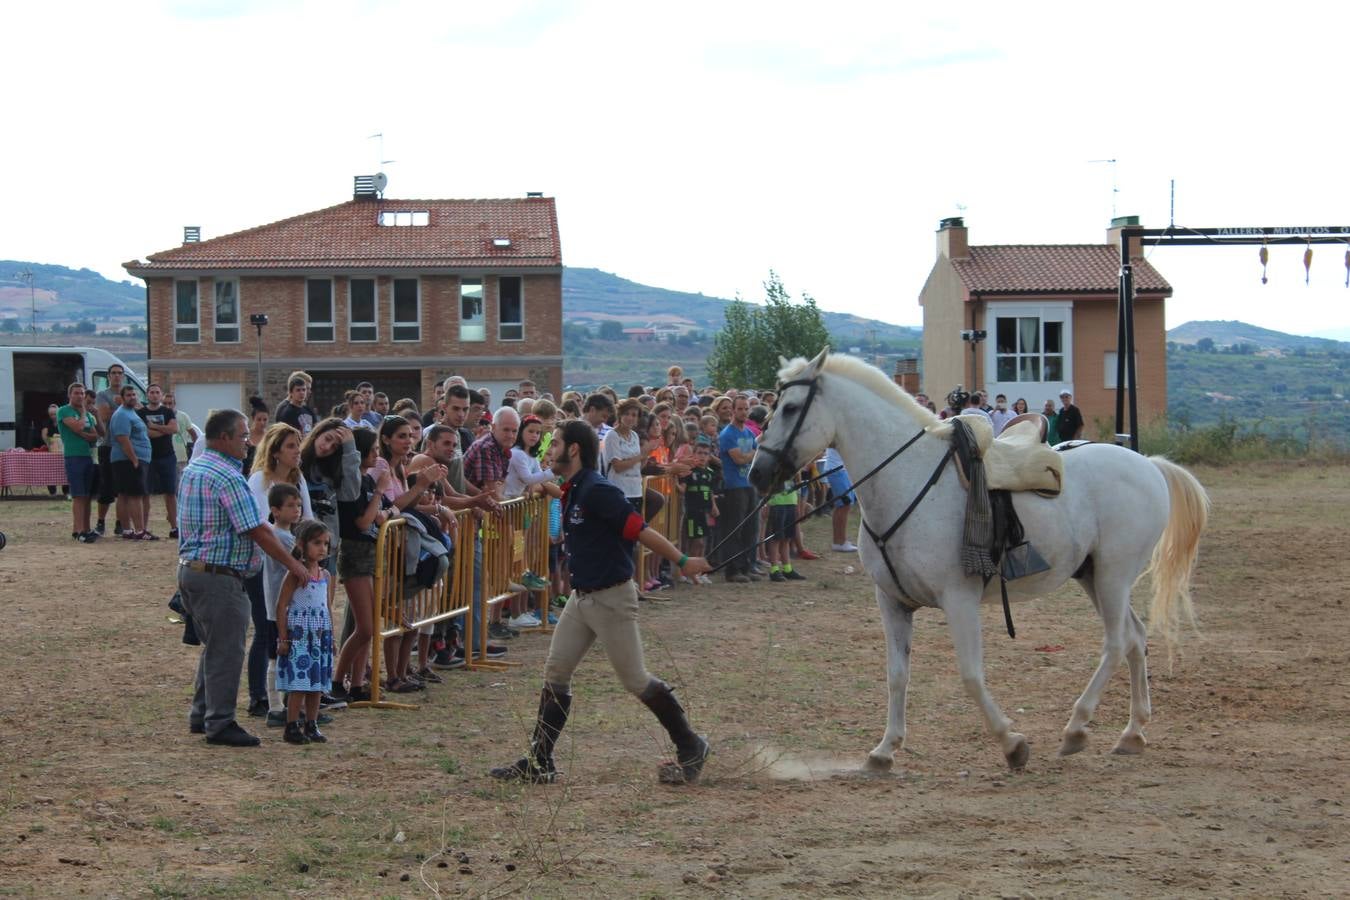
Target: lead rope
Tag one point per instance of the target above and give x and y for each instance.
(798, 485)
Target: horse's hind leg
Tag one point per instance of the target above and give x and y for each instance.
(898, 622)
(963, 619)
(1113, 603)
(1132, 739)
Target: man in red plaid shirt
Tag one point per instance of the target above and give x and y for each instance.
(489, 457)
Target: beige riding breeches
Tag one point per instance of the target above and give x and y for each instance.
(610, 615)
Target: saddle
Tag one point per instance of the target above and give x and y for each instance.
(1018, 459)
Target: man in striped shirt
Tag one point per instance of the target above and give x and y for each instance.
(220, 532)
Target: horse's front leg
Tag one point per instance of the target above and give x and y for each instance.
(898, 622)
(963, 619)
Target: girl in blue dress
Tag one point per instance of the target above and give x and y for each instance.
(305, 643)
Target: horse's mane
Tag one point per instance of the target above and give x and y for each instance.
(868, 376)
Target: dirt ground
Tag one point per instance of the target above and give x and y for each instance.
(1243, 790)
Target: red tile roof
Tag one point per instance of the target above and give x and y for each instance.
(459, 234)
(1052, 269)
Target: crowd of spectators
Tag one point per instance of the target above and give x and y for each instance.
(1063, 423)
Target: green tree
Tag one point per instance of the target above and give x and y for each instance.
(10, 325)
(1205, 345)
(611, 330)
(746, 350)
(85, 327)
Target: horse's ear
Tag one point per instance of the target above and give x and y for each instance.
(782, 361)
(819, 361)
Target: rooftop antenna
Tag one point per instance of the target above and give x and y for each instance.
(380, 161)
(1115, 187)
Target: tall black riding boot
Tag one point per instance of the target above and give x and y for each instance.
(537, 766)
(691, 750)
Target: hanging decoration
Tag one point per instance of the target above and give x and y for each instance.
(1347, 264)
(1265, 258)
(1307, 264)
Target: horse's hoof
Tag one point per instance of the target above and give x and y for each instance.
(1074, 741)
(1130, 745)
(878, 764)
(1017, 757)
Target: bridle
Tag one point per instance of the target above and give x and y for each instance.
(783, 456)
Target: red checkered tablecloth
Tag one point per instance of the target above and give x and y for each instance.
(19, 468)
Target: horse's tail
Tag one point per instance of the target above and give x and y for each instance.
(1174, 556)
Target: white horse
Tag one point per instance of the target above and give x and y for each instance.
(1120, 514)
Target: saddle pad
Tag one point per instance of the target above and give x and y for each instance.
(1018, 460)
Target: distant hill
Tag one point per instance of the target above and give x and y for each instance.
(592, 296)
(1230, 334)
(66, 295)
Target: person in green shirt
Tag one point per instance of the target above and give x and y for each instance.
(188, 434)
(79, 432)
(782, 528)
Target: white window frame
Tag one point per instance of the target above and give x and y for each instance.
(502, 324)
(1046, 311)
(480, 335)
(237, 325)
(397, 323)
(373, 323)
(196, 323)
(404, 218)
(331, 325)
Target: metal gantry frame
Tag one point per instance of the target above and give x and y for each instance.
(1177, 236)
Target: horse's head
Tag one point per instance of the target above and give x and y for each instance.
(802, 425)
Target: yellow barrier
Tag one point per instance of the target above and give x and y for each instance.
(666, 521)
(450, 596)
(515, 540)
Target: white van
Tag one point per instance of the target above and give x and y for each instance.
(33, 378)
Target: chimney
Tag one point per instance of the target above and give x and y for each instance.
(192, 234)
(953, 242)
(365, 188)
(1119, 224)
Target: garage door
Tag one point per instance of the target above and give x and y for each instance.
(197, 400)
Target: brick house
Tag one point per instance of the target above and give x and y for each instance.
(401, 293)
(1049, 314)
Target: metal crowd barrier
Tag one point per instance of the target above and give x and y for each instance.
(394, 615)
(514, 541)
(666, 521)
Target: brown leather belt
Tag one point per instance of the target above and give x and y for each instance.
(196, 565)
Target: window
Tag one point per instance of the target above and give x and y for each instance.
(1109, 369)
(405, 218)
(472, 325)
(1028, 348)
(319, 309)
(362, 323)
(227, 312)
(185, 321)
(510, 310)
(407, 310)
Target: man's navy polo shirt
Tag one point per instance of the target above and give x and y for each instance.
(599, 530)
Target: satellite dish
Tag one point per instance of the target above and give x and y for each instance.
(380, 181)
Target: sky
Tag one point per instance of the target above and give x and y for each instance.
(697, 146)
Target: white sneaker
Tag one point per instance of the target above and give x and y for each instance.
(684, 579)
(845, 547)
(704, 579)
(524, 620)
